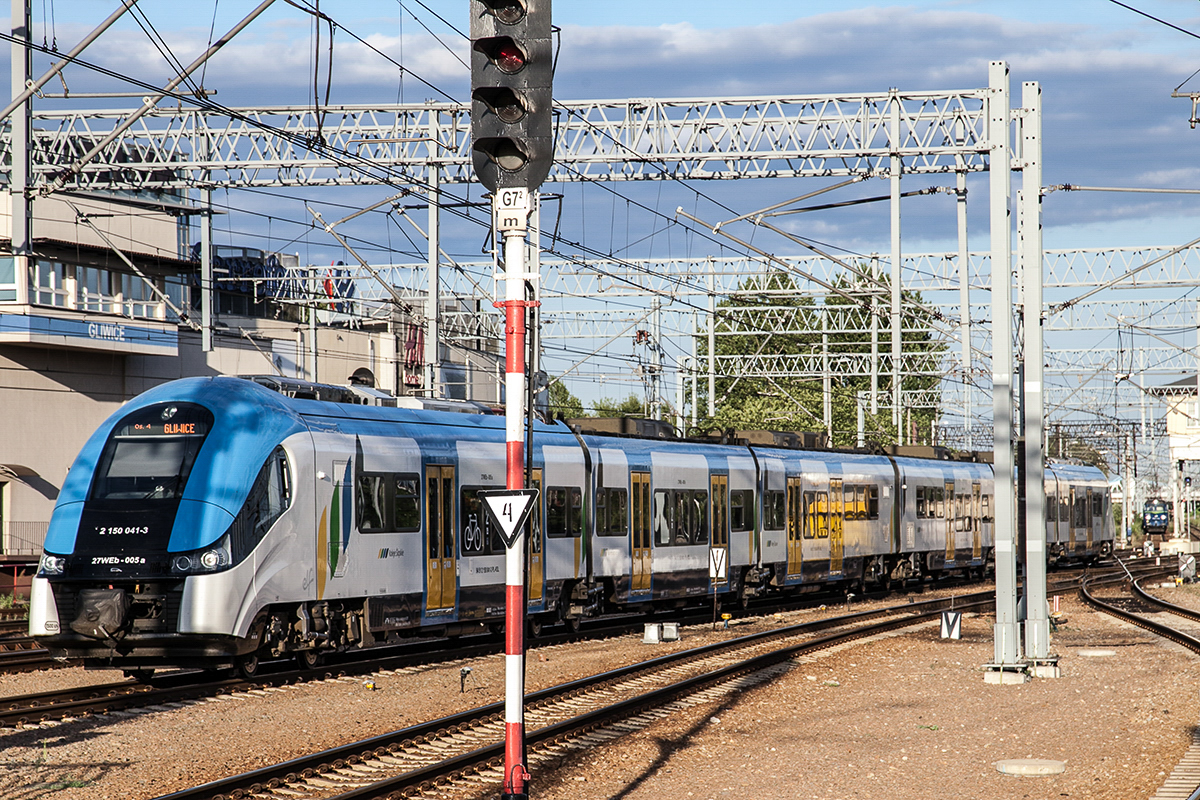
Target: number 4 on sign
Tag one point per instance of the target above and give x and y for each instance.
(509, 508)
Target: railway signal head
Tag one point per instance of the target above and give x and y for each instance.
(512, 71)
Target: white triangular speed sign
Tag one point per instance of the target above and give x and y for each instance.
(509, 508)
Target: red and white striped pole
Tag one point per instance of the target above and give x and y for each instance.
(512, 213)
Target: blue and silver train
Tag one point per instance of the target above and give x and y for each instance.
(218, 521)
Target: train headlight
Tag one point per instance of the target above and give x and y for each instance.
(51, 565)
(198, 562)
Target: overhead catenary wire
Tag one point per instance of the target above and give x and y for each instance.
(666, 229)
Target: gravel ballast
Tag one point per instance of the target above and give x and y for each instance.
(902, 717)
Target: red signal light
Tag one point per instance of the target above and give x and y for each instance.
(504, 53)
(509, 58)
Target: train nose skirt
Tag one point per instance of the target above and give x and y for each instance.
(103, 613)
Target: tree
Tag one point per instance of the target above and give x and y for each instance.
(563, 402)
(744, 326)
(631, 406)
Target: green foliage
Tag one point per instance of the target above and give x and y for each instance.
(631, 406)
(779, 403)
(1059, 446)
(12, 600)
(564, 403)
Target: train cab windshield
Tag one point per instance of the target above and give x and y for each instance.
(151, 452)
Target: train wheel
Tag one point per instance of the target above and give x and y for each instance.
(533, 626)
(308, 659)
(572, 624)
(247, 665)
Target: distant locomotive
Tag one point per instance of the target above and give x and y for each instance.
(212, 522)
(1156, 518)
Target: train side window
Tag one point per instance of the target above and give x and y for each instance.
(939, 502)
(958, 512)
(809, 514)
(1064, 511)
(774, 511)
(741, 510)
(664, 517)
(986, 514)
(700, 515)
(556, 512)
(601, 511)
(269, 497)
(370, 505)
(612, 511)
(822, 515)
(873, 501)
(921, 508)
(1051, 508)
(1097, 506)
(476, 536)
(407, 501)
(575, 512)
(1080, 510)
(618, 512)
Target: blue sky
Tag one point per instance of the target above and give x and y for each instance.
(1106, 75)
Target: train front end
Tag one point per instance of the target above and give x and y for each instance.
(150, 528)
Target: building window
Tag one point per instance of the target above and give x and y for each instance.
(1191, 414)
(8, 280)
(49, 284)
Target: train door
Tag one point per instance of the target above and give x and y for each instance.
(794, 527)
(439, 539)
(837, 516)
(719, 541)
(640, 530)
(537, 563)
(976, 534)
(950, 510)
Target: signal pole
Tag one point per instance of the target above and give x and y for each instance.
(512, 150)
(511, 213)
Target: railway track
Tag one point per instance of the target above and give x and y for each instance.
(468, 747)
(1174, 623)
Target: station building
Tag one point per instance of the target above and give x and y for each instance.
(108, 307)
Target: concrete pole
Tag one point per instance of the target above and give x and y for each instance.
(206, 272)
(897, 166)
(875, 341)
(1127, 499)
(712, 339)
(694, 373)
(433, 308)
(862, 422)
(21, 59)
(656, 358)
(314, 288)
(1176, 475)
(679, 395)
(1007, 643)
(826, 377)
(964, 294)
(1037, 620)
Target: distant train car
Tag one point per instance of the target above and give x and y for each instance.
(1079, 519)
(213, 522)
(1156, 518)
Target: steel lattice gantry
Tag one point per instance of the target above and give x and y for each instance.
(752, 137)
